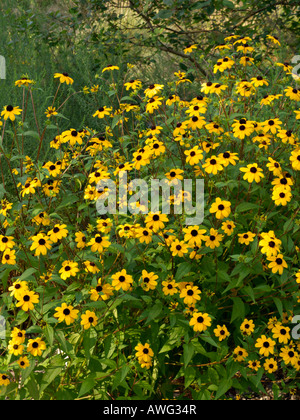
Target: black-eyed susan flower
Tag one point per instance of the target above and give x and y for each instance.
(153, 104)
(101, 291)
(51, 112)
(207, 87)
(281, 333)
(287, 67)
(42, 219)
(277, 264)
(240, 354)
(190, 295)
(196, 110)
(242, 128)
(99, 243)
(64, 78)
(66, 313)
(289, 355)
(272, 125)
(179, 248)
(252, 173)
(9, 257)
(6, 242)
(18, 287)
(148, 280)
(144, 235)
(228, 227)
(169, 287)
(24, 81)
(228, 158)
(156, 221)
(102, 112)
(36, 346)
(5, 206)
(221, 332)
(196, 123)
(281, 196)
(213, 165)
(144, 353)
(265, 345)
(68, 269)
(122, 280)
(91, 267)
(292, 93)
(133, 84)
(254, 365)
(58, 232)
(221, 208)
(200, 322)
(10, 112)
(18, 336)
(89, 319)
(26, 300)
(110, 67)
(247, 327)
(245, 89)
(80, 239)
(246, 238)
(259, 81)
(172, 99)
(295, 159)
(15, 348)
(4, 379)
(246, 61)
(193, 235)
(269, 243)
(153, 90)
(41, 244)
(271, 365)
(273, 39)
(190, 48)
(23, 362)
(213, 240)
(194, 155)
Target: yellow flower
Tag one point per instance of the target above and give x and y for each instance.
(221, 332)
(26, 300)
(66, 313)
(89, 319)
(64, 78)
(200, 321)
(36, 346)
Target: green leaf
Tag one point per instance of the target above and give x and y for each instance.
(49, 334)
(238, 310)
(33, 389)
(87, 385)
(246, 207)
(189, 376)
(27, 273)
(188, 352)
(224, 386)
(279, 305)
(154, 312)
(54, 369)
(229, 4)
(30, 134)
(120, 376)
(183, 269)
(164, 14)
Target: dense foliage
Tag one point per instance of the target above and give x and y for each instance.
(142, 305)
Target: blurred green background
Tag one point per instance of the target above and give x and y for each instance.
(39, 38)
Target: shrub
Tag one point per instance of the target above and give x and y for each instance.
(140, 304)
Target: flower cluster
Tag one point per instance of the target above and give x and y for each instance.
(208, 300)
